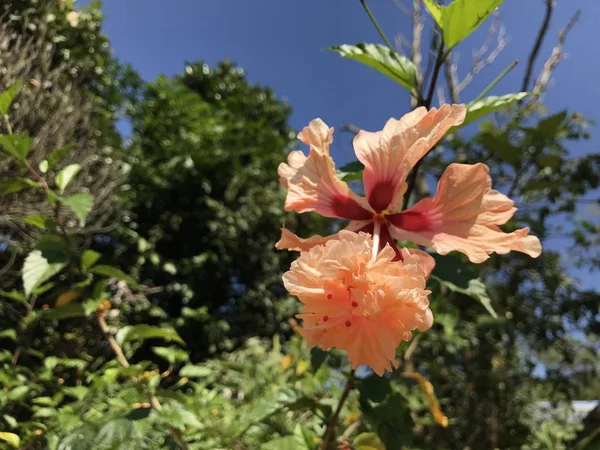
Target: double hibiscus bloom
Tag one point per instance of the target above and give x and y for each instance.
(355, 302)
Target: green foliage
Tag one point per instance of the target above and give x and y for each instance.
(379, 57)
(460, 18)
(49, 257)
(81, 204)
(7, 97)
(478, 109)
(18, 145)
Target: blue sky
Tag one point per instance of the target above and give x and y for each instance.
(280, 44)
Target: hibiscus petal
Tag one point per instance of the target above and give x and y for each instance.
(312, 183)
(464, 216)
(389, 155)
(291, 241)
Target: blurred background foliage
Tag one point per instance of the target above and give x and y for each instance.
(184, 219)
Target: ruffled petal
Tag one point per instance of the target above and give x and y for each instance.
(312, 183)
(464, 216)
(291, 241)
(351, 302)
(389, 155)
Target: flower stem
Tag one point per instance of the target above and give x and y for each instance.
(333, 422)
(376, 238)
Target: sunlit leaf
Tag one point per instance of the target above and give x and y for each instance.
(142, 332)
(460, 18)
(195, 371)
(379, 57)
(488, 105)
(88, 259)
(7, 97)
(10, 438)
(64, 177)
(110, 271)
(368, 441)
(18, 145)
(40, 221)
(81, 204)
(48, 258)
(475, 289)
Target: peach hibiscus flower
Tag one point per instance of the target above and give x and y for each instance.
(358, 299)
(464, 215)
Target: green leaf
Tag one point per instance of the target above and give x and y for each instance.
(8, 334)
(488, 105)
(302, 439)
(317, 358)
(172, 354)
(10, 420)
(16, 185)
(284, 398)
(17, 145)
(110, 271)
(142, 332)
(475, 289)
(64, 177)
(88, 259)
(18, 393)
(11, 438)
(40, 221)
(58, 155)
(452, 268)
(381, 58)
(499, 145)
(43, 166)
(368, 441)
(14, 295)
(551, 125)
(49, 257)
(351, 171)
(460, 18)
(81, 204)
(7, 97)
(195, 371)
(390, 418)
(66, 312)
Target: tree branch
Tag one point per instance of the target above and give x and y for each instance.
(537, 45)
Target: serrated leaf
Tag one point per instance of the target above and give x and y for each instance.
(110, 271)
(381, 58)
(368, 441)
(40, 221)
(142, 332)
(488, 105)
(18, 145)
(64, 177)
(88, 259)
(460, 18)
(81, 204)
(11, 438)
(7, 97)
(16, 185)
(58, 155)
(49, 257)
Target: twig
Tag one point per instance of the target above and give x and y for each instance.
(333, 422)
(118, 351)
(415, 50)
(537, 45)
(555, 57)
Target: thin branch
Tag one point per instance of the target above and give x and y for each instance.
(555, 58)
(30, 306)
(451, 75)
(333, 422)
(537, 45)
(415, 51)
